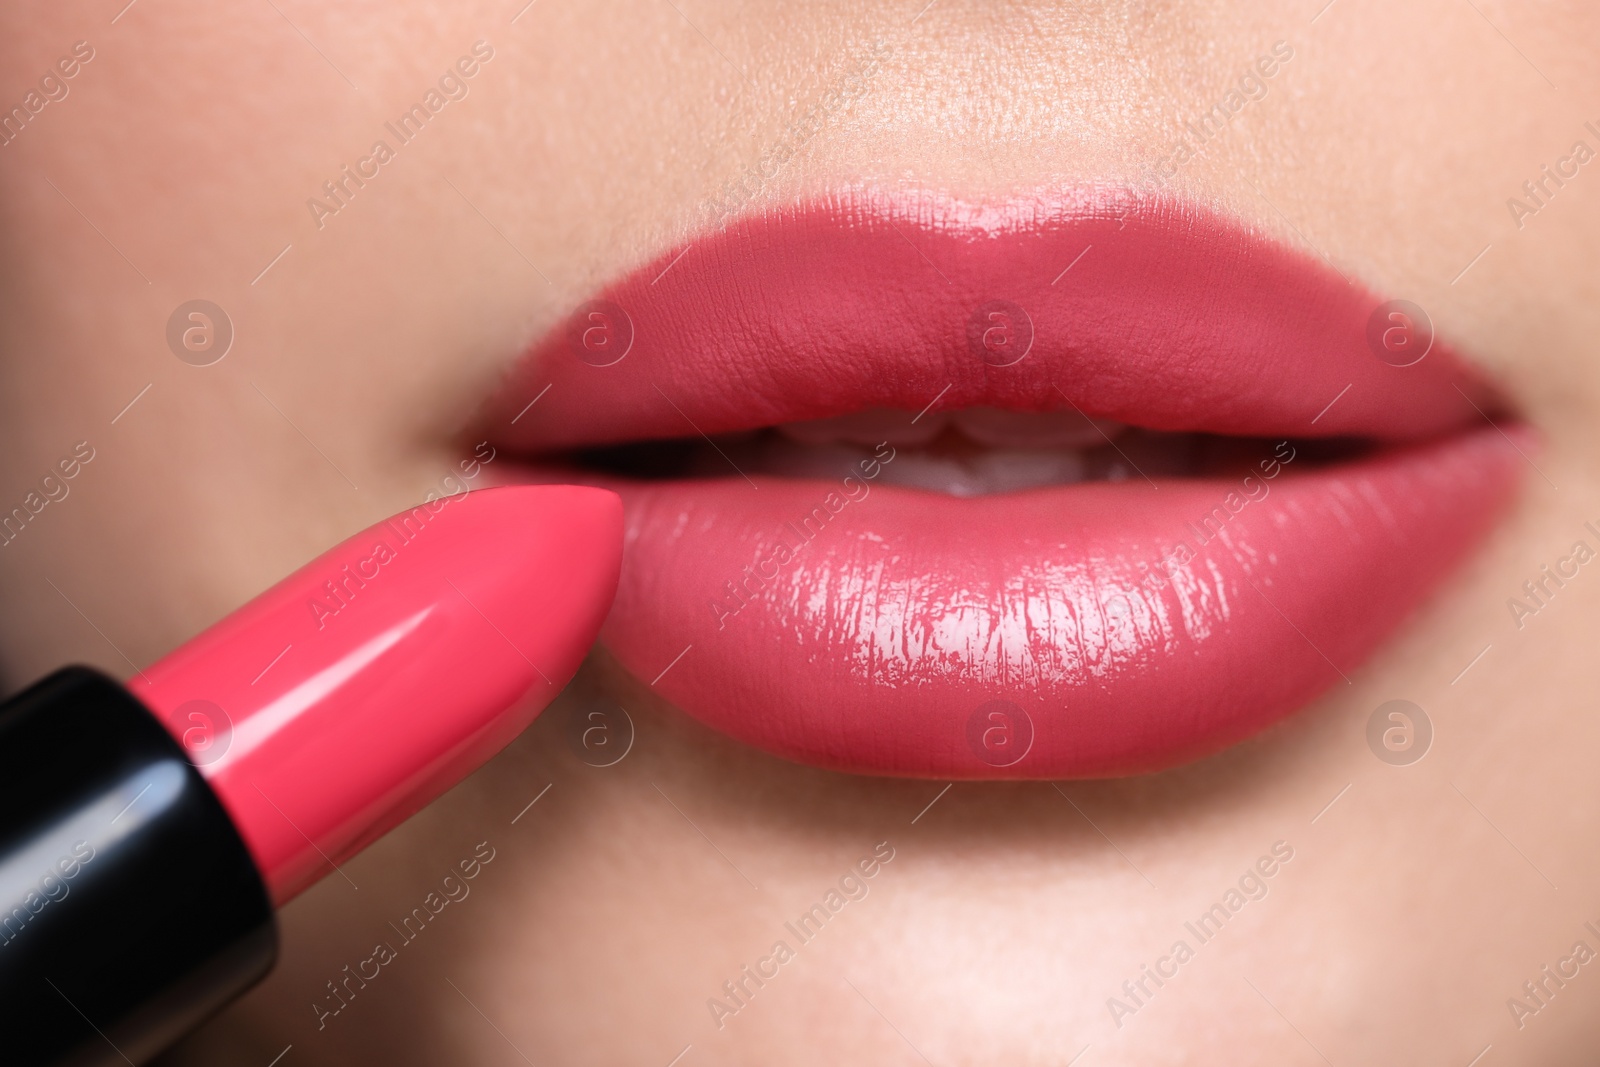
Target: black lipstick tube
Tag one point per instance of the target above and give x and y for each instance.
(130, 909)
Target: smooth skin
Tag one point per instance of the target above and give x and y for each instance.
(179, 165)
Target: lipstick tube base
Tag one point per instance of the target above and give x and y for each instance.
(130, 909)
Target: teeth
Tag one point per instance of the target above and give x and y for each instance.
(999, 471)
(972, 474)
(971, 452)
(984, 426)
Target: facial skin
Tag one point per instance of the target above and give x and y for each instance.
(178, 165)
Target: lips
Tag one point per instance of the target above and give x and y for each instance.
(1136, 613)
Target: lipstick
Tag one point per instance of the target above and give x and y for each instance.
(148, 829)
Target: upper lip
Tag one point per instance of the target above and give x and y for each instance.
(1162, 315)
(881, 648)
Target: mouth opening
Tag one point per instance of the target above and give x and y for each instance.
(969, 452)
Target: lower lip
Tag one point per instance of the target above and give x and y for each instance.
(1048, 634)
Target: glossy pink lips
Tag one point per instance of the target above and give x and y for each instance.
(1077, 630)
